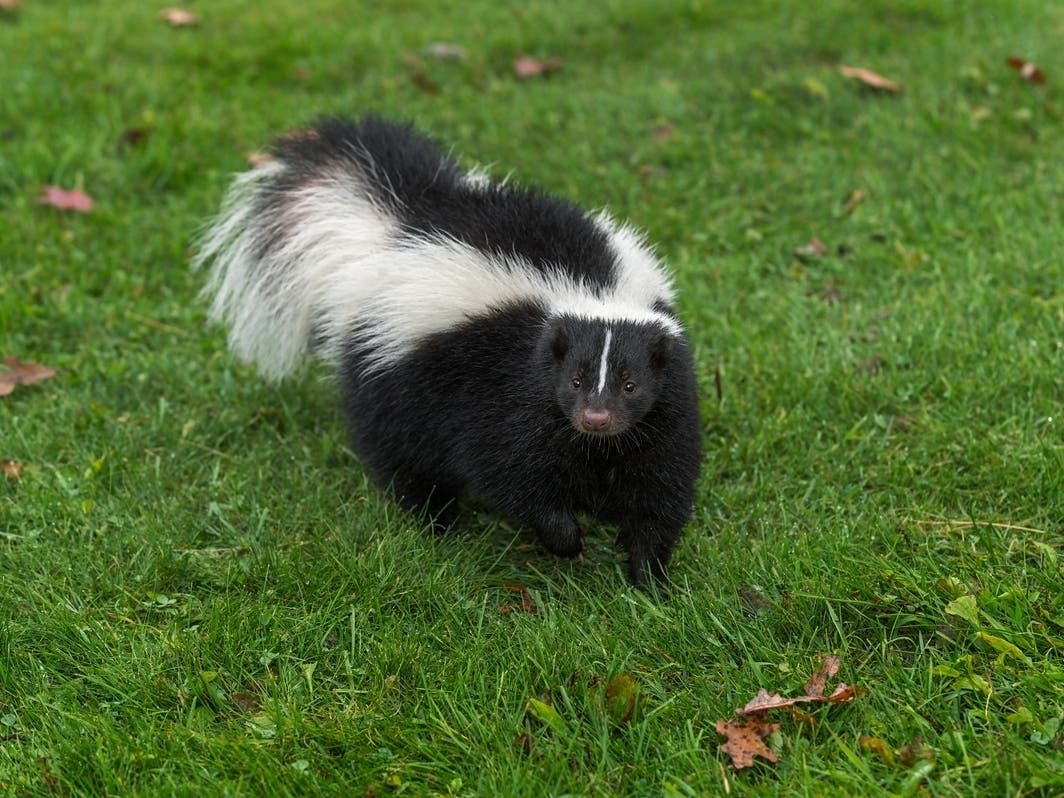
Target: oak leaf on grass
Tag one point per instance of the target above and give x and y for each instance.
(869, 78)
(526, 605)
(1028, 69)
(12, 469)
(18, 372)
(746, 740)
(747, 731)
(527, 66)
(65, 200)
(178, 17)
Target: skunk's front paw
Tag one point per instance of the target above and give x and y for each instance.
(560, 535)
(647, 571)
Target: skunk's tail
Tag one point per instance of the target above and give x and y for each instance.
(287, 252)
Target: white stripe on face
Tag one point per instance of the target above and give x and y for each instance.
(602, 363)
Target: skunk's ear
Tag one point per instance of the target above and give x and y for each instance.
(660, 351)
(559, 340)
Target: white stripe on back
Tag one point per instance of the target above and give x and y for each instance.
(338, 266)
(602, 363)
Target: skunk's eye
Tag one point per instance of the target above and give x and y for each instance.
(576, 382)
(629, 387)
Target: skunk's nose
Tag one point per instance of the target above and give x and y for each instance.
(595, 420)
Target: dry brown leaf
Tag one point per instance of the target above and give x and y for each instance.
(813, 248)
(526, 605)
(843, 694)
(869, 78)
(914, 752)
(10, 5)
(746, 732)
(445, 51)
(664, 132)
(1027, 69)
(527, 66)
(424, 82)
(12, 469)
(64, 200)
(814, 691)
(245, 703)
(764, 701)
(21, 373)
(134, 136)
(178, 17)
(829, 666)
(857, 196)
(746, 740)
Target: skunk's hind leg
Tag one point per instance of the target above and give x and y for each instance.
(419, 495)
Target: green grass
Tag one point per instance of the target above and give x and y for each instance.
(200, 592)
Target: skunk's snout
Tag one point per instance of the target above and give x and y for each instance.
(593, 420)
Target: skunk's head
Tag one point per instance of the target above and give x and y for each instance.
(607, 374)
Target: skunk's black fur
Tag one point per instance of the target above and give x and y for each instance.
(491, 342)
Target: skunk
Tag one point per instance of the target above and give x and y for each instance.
(491, 342)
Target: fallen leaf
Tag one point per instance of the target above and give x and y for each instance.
(445, 51)
(745, 734)
(22, 373)
(63, 200)
(880, 747)
(914, 752)
(869, 78)
(133, 136)
(752, 599)
(815, 88)
(843, 694)
(10, 5)
(547, 715)
(12, 469)
(857, 196)
(1002, 646)
(829, 293)
(814, 248)
(746, 740)
(829, 666)
(527, 66)
(764, 701)
(246, 703)
(649, 171)
(1027, 69)
(178, 17)
(424, 82)
(48, 776)
(526, 605)
(664, 132)
(964, 607)
(872, 365)
(620, 698)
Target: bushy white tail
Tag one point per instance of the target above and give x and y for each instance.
(277, 257)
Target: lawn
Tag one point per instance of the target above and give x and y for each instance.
(202, 594)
